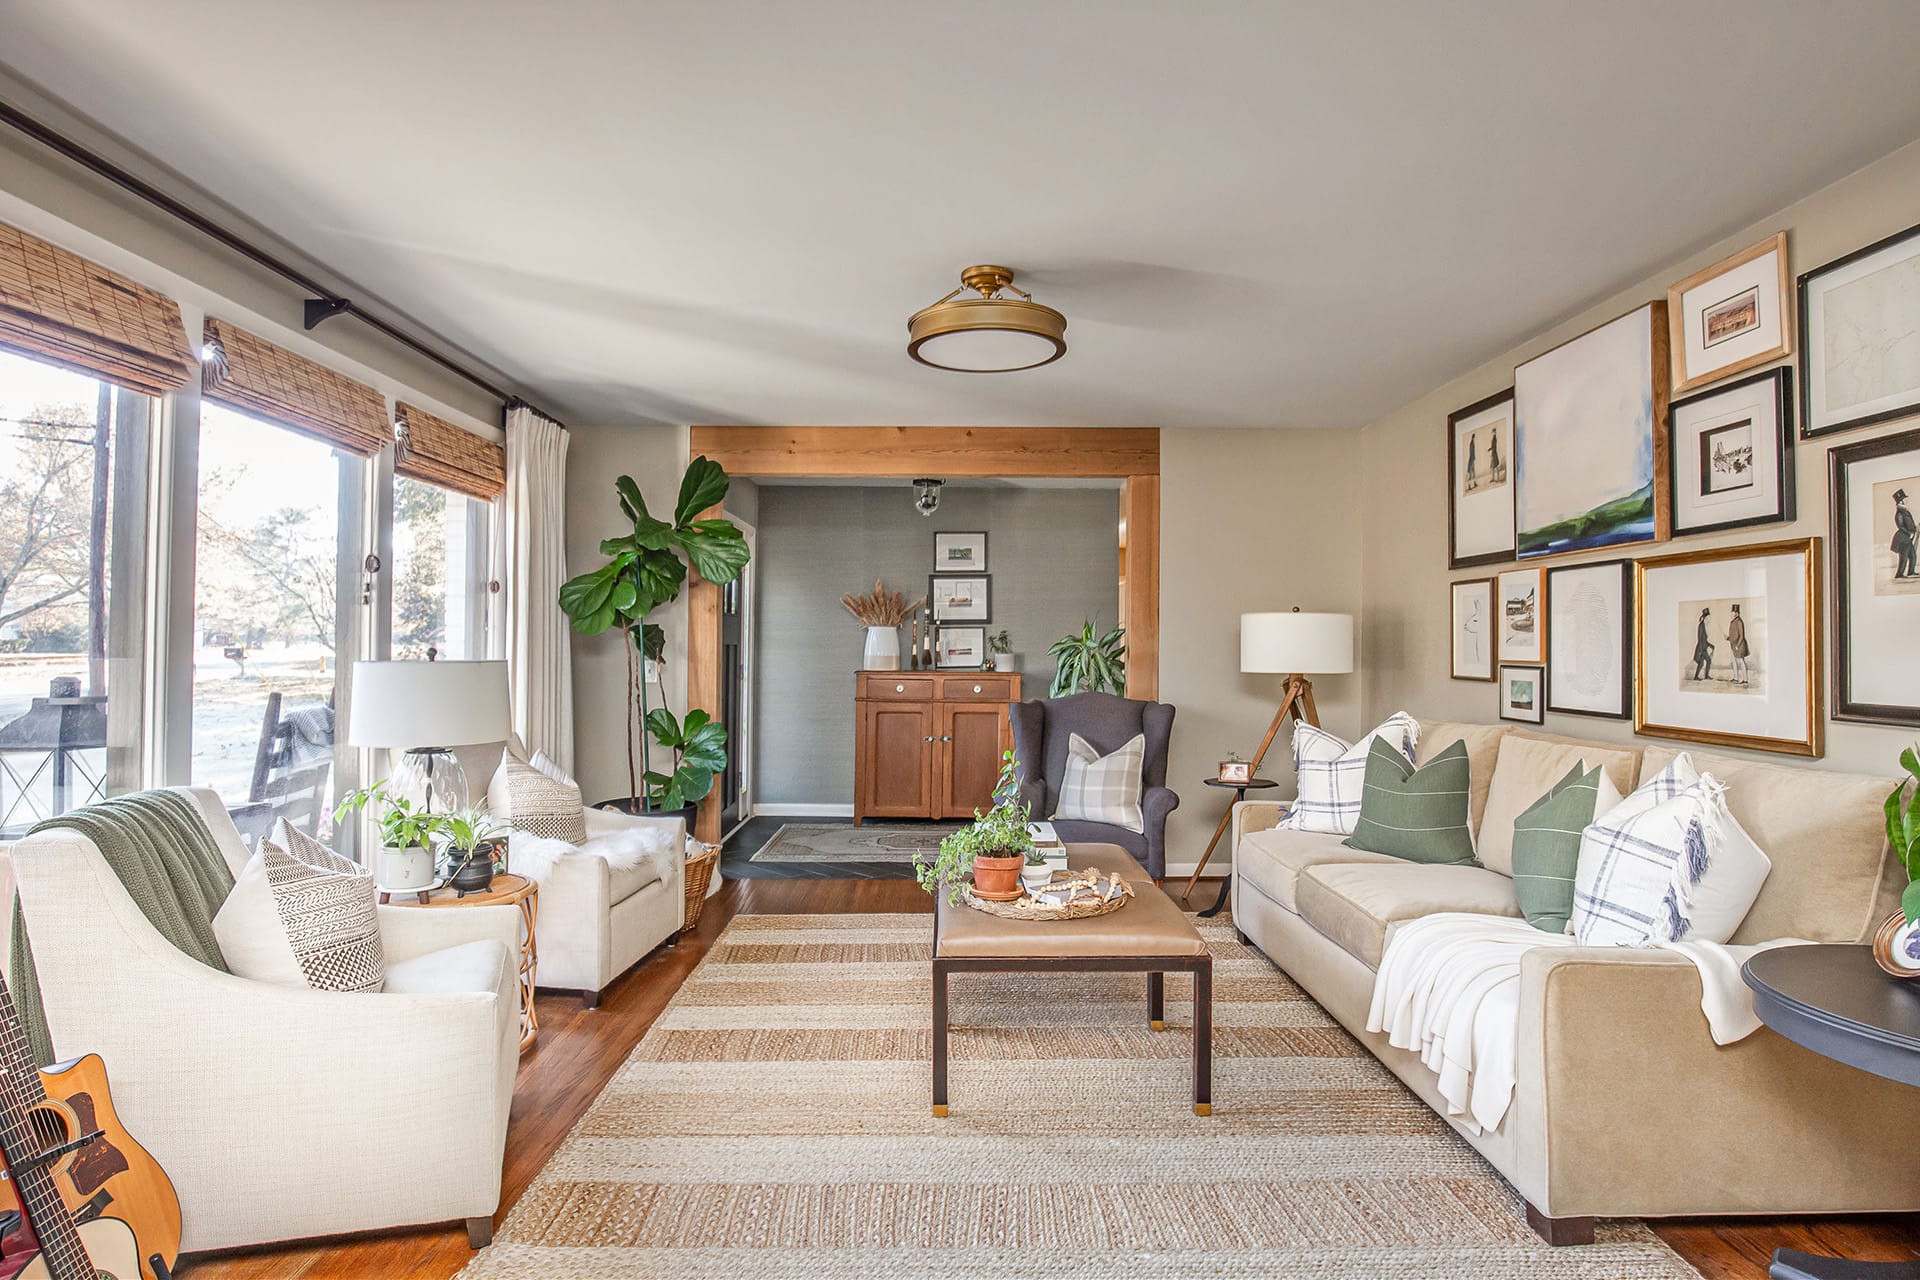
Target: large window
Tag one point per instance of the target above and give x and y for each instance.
(437, 603)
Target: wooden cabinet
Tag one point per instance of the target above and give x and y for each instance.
(928, 744)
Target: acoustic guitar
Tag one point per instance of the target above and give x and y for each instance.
(92, 1203)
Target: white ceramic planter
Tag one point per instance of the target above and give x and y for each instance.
(1003, 662)
(408, 868)
(1035, 878)
(883, 649)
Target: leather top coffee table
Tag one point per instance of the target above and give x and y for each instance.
(1149, 935)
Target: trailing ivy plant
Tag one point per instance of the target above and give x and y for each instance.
(1084, 664)
(645, 569)
(1903, 829)
(1000, 832)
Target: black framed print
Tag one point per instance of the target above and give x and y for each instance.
(1860, 337)
(1473, 630)
(960, 552)
(1874, 502)
(1590, 639)
(1479, 483)
(1521, 695)
(960, 597)
(961, 649)
(1730, 454)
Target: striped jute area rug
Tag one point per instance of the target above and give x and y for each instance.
(775, 1122)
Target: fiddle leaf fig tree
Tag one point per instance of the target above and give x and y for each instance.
(646, 568)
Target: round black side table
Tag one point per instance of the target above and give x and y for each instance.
(1835, 1001)
(1239, 790)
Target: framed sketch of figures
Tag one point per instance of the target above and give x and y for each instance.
(1860, 337)
(1480, 483)
(1590, 639)
(1520, 694)
(1473, 632)
(1874, 501)
(1730, 317)
(1730, 451)
(1519, 606)
(1589, 456)
(1727, 646)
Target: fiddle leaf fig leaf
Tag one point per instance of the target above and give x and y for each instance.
(717, 549)
(704, 485)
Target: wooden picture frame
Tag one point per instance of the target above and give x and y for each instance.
(1512, 676)
(1731, 316)
(1697, 424)
(1684, 640)
(940, 607)
(1871, 601)
(1590, 464)
(1520, 614)
(1479, 483)
(1590, 621)
(960, 551)
(1480, 590)
(1871, 314)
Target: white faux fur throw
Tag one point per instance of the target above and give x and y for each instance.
(536, 856)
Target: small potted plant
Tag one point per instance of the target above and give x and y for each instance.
(1001, 647)
(1037, 872)
(472, 850)
(1897, 946)
(991, 849)
(406, 836)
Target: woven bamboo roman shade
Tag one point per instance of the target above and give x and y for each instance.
(253, 375)
(432, 449)
(58, 307)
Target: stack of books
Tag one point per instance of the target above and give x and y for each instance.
(1048, 841)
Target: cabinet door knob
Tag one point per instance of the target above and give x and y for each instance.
(899, 688)
(976, 688)
(929, 739)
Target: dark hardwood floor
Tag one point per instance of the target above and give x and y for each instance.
(579, 1050)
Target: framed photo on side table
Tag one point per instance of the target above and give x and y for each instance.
(960, 552)
(1731, 316)
(1520, 612)
(1874, 502)
(960, 597)
(1473, 630)
(1521, 695)
(1730, 451)
(1590, 639)
(961, 649)
(1480, 483)
(1727, 646)
(1860, 337)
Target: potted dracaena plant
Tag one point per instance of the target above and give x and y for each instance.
(1086, 663)
(992, 849)
(646, 567)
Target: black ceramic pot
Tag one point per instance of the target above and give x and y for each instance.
(634, 804)
(475, 874)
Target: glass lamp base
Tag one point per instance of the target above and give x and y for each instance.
(431, 779)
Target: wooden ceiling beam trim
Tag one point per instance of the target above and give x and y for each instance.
(944, 452)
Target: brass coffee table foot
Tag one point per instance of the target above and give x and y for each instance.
(940, 1110)
(1158, 1025)
(1203, 1108)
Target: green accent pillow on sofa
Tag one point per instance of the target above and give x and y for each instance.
(1416, 814)
(1546, 848)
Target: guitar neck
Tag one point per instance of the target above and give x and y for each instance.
(46, 1210)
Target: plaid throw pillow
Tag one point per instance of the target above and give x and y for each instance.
(327, 906)
(1546, 845)
(1332, 775)
(538, 804)
(1107, 789)
(1416, 814)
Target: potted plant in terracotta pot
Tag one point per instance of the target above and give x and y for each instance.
(991, 850)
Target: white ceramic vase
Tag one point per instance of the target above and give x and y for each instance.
(1035, 878)
(406, 868)
(1003, 662)
(883, 649)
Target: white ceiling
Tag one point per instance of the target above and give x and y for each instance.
(1252, 214)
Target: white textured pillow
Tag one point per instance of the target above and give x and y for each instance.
(544, 763)
(1097, 788)
(300, 915)
(531, 800)
(1332, 774)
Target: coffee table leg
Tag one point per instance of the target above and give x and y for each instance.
(1203, 1038)
(939, 1038)
(1157, 1001)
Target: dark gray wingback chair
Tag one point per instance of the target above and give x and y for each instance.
(1040, 732)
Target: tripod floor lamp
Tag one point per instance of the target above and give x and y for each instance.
(1295, 644)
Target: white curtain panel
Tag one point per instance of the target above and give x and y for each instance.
(539, 643)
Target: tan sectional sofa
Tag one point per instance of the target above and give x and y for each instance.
(1624, 1104)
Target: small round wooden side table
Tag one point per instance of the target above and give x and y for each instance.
(507, 890)
(1239, 790)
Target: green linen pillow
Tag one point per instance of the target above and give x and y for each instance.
(1416, 814)
(1546, 847)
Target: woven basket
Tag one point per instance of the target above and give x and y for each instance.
(699, 875)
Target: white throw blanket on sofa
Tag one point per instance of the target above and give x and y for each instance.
(620, 848)
(1448, 989)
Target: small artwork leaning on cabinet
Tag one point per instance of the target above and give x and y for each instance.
(1874, 500)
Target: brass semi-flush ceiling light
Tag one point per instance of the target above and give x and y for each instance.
(990, 333)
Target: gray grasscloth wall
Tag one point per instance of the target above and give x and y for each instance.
(1053, 555)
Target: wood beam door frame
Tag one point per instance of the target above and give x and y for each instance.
(1128, 454)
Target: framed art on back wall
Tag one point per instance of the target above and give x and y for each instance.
(1730, 454)
(1730, 317)
(1519, 606)
(1479, 483)
(1590, 639)
(1473, 631)
(1874, 501)
(1860, 337)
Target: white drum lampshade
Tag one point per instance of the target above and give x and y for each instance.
(1312, 644)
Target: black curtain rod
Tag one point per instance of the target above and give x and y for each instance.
(324, 305)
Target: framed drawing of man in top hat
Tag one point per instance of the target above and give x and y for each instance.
(1875, 487)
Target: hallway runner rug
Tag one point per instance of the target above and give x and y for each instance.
(874, 842)
(776, 1122)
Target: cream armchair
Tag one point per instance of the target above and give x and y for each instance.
(596, 923)
(281, 1112)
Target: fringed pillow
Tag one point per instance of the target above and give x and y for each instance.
(530, 800)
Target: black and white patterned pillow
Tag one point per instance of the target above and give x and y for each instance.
(540, 804)
(327, 906)
(1097, 788)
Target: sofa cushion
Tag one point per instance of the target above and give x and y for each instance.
(1825, 833)
(1527, 767)
(1483, 745)
(1272, 860)
(464, 969)
(1355, 904)
(1416, 814)
(1546, 845)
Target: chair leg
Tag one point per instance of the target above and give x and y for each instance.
(589, 999)
(479, 1232)
(673, 939)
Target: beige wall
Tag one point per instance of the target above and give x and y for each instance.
(1403, 465)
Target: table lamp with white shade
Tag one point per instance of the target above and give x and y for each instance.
(424, 710)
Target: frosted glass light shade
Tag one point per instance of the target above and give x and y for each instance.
(402, 705)
(1310, 644)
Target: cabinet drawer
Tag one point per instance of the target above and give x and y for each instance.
(886, 686)
(984, 687)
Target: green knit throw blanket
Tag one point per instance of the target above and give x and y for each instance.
(159, 846)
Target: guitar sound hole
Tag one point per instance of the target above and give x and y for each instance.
(49, 1127)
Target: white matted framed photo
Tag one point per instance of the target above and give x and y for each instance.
(1479, 483)
(1473, 630)
(1522, 693)
(960, 552)
(1860, 337)
(961, 648)
(1727, 646)
(1731, 454)
(960, 597)
(1731, 316)
(1590, 639)
(1875, 508)
(1519, 606)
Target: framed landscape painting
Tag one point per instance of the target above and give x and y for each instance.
(1480, 483)
(1874, 503)
(1590, 639)
(1860, 337)
(1473, 632)
(1590, 464)
(1730, 317)
(960, 552)
(1520, 616)
(1731, 454)
(1520, 694)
